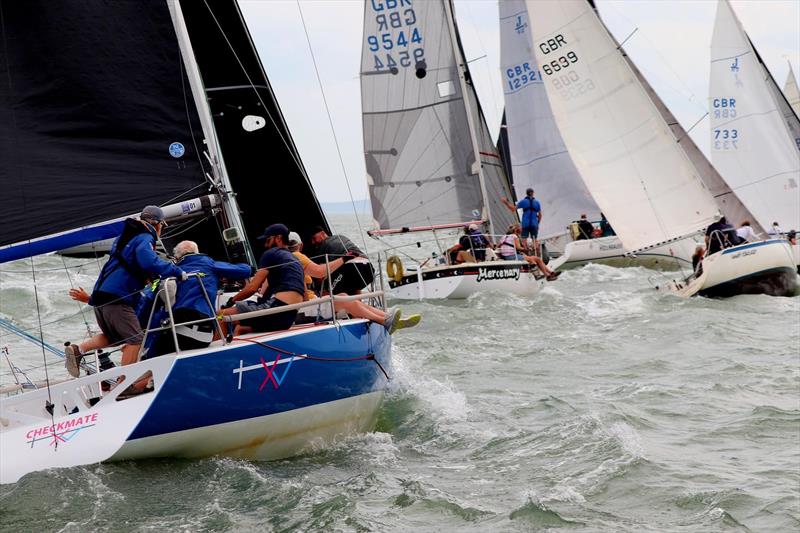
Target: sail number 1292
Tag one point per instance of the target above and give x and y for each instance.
(561, 62)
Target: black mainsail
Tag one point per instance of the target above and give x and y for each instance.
(96, 117)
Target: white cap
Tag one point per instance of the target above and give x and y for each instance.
(473, 227)
(294, 238)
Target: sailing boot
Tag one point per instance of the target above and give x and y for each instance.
(72, 359)
(408, 322)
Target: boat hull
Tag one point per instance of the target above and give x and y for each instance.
(766, 267)
(610, 251)
(261, 397)
(464, 280)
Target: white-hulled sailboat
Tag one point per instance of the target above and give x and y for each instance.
(431, 165)
(755, 131)
(116, 104)
(630, 158)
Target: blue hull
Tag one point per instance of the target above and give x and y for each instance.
(243, 381)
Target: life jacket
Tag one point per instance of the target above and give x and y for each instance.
(131, 229)
(508, 245)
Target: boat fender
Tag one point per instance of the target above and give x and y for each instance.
(394, 268)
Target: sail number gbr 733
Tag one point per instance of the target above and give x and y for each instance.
(567, 82)
(397, 41)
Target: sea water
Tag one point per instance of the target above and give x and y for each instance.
(598, 405)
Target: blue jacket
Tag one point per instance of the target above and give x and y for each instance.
(190, 295)
(132, 261)
(530, 212)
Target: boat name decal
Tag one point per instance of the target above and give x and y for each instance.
(606, 247)
(61, 431)
(744, 253)
(269, 369)
(500, 273)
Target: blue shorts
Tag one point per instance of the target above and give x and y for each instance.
(517, 257)
(532, 231)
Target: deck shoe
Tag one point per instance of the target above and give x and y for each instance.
(409, 322)
(72, 360)
(553, 276)
(392, 319)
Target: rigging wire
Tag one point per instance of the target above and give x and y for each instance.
(333, 130)
(50, 408)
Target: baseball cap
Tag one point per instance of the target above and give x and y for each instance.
(473, 227)
(153, 213)
(294, 238)
(275, 229)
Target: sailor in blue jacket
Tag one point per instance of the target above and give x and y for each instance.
(195, 298)
(132, 262)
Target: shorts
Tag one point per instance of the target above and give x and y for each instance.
(276, 322)
(532, 231)
(119, 323)
(351, 277)
(516, 257)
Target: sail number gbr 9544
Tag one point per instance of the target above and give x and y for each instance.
(397, 41)
(556, 68)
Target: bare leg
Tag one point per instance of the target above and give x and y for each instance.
(98, 341)
(532, 259)
(223, 324)
(465, 257)
(130, 354)
(359, 309)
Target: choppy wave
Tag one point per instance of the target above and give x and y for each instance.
(599, 405)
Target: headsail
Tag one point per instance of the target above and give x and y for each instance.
(419, 150)
(538, 156)
(751, 141)
(96, 116)
(619, 141)
(791, 91)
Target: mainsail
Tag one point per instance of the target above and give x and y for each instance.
(791, 91)
(429, 157)
(620, 143)
(539, 158)
(261, 159)
(753, 142)
(96, 117)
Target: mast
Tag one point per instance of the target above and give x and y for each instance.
(461, 65)
(220, 178)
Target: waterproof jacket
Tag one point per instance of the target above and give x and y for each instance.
(132, 262)
(190, 295)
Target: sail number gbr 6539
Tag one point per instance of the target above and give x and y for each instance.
(561, 62)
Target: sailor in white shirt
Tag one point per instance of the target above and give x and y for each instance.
(775, 230)
(746, 232)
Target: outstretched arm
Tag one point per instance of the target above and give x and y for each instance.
(508, 204)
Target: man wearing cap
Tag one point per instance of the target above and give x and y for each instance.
(131, 264)
(531, 216)
(585, 228)
(349, 279)
(278, 281)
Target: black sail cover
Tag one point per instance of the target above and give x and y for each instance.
(96, 114)
(262, 162)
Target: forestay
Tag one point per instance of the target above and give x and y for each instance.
(751, 143)
(539, 158)
(621, 145)
(422, 166)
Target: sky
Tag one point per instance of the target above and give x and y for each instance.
(671, 48)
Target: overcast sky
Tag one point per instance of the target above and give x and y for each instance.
(671, 48)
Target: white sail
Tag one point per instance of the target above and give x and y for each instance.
(428, 161)
(791, 91)
(620, 143)
(539, 159)
(751, 141)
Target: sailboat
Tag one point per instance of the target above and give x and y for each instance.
(755, 131)
(546, 163)
(630, 158)
(107, 107)
(431, 164)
